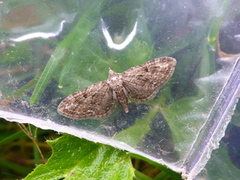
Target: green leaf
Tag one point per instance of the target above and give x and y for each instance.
(220, 166)
(133, 135)
(6, 138)
(75, 158)
(81, 30)
(165, 173)
(178, 117)
(217, 23)
(47, 74)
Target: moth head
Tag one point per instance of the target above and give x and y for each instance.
(111, 74)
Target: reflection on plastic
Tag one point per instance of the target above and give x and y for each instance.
(237, 37)
(44, 35)
(109, 39)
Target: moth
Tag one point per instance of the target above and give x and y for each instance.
(139, 83)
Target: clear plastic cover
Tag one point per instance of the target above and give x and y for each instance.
(65, 46)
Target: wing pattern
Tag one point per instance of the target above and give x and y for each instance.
(95, 101)
(141, 83)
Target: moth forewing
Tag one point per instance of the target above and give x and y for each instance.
(143, 82)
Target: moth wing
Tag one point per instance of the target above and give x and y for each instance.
(95, 101)
(143, 82)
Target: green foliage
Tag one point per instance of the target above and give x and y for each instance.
(80, 59)
(75, 158)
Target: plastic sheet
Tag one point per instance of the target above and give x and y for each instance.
(68, 47)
